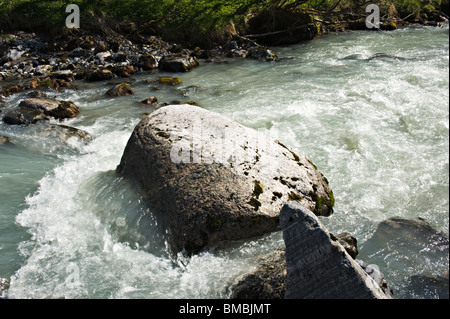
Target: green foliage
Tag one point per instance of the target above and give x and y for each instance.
(184, 16)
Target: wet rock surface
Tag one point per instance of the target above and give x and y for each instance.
(318, 267)
(4, 140)
(268, 281)
(122, 89)
(54, 108)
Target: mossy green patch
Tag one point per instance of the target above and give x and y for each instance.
(168, 80)
(296, 158)
(322, 201)
(257, 189)
(47, 83)
(213, 222)
(294, 196)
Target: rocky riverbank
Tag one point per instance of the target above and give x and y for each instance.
(30, 62)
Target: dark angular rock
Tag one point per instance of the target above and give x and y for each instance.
(318, 267)
(148, 62)
(123, 71)
(24, 116)
(178, 63)
(99, 75)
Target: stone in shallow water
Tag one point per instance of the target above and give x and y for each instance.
(210, 179)
(55, 108)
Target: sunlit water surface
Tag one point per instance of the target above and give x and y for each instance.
(376, 126)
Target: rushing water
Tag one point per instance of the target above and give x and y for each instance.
(377, 126)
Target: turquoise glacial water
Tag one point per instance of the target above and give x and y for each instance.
(370, 109)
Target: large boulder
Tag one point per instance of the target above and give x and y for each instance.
(210, 179)
(318, 266)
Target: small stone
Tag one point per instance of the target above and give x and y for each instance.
(121, 89)
(43, 70)
(99, 75)
(152, 100)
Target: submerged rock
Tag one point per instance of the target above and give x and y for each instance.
(169, 80)
(4, 140)
(210, 179)
(58, 132)
(430, 286)
(407, 237)
(318, 267)
(268, 281)
(402, 243)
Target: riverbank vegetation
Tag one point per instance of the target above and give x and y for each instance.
(198, 21)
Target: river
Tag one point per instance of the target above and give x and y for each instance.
(370, 109)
